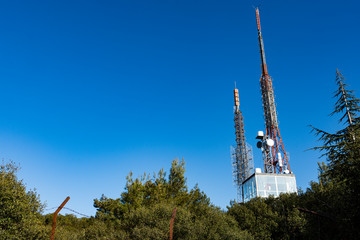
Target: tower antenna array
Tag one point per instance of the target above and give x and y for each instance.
(275, 159)
(241, 152)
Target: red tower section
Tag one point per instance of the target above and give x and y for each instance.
(275, 157)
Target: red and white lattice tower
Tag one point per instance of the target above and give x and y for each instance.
(275, 157)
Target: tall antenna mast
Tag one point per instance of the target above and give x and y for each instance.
(276, 159)
(241, 152)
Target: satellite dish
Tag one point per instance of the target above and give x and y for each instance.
(270, 142)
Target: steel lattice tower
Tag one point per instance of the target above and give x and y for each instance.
(275, 157)
(241, 152)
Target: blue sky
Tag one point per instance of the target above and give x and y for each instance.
(94, 89)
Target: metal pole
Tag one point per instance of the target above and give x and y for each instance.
(55, 216)
(172, 223)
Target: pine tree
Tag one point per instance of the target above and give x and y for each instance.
(19, 209)
(341, 147)
(347, 103)
(342, 152)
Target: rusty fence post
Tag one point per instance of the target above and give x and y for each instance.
(55, 216)
(172, 223)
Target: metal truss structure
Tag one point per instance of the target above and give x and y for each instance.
(275, 157)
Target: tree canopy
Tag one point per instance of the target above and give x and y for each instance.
(338, 190)
(19, 209)
(144, 209)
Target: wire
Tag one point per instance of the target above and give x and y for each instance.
(50, 209)
(77, 212)
(69, 210)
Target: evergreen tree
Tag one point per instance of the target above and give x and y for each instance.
(19, 209)
(341, 147)
(144, 209)
(347, 103)
(339, 179)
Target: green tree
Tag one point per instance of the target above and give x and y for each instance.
(177, 181)
(69, 227)
(342, 147)
(337, 193)
(346, 104)
(271, 218)
(144, 209)
(19, 209)
(255, 216)
(291, 222)
(147, 191)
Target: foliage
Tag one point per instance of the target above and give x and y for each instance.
(337, 193)
(271, 218)
(145, 207)
(19, 209)
(347, 103)
(291, 222)
(255, 216)
(145, 192)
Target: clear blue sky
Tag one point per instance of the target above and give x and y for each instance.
(94, 89)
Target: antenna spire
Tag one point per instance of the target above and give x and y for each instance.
(261, 44)
(275, 160)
